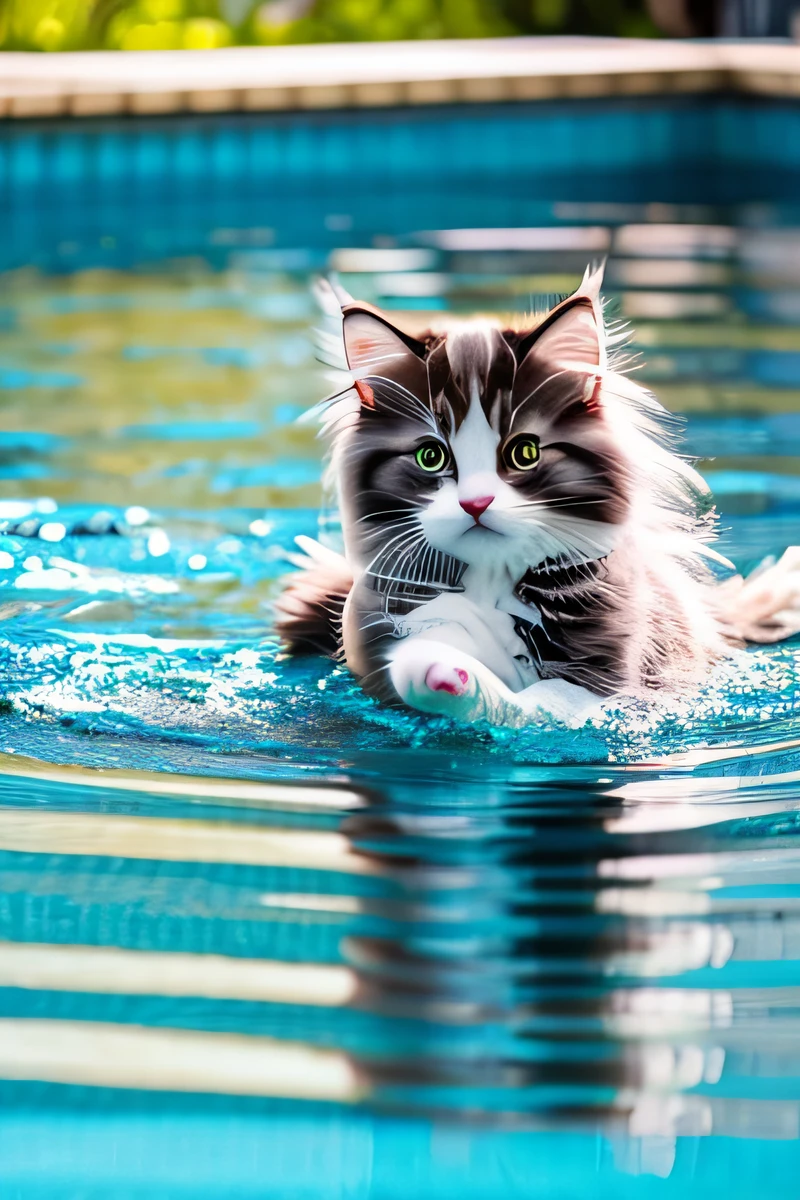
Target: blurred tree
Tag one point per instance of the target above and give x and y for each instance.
(375, 20)
(207, 24)
(599, 18)
(45, 24)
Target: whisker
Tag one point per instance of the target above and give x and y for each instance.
(552, 505)
(385, 512)
(399, 538)
(388, 555)
(390, 496)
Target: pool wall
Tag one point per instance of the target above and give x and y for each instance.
(121, 192)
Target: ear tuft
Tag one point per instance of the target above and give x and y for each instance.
(366, 393)
(593, 389)
(592, 281)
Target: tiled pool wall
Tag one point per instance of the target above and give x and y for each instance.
(122, 192)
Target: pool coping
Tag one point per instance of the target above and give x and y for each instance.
(379, 75)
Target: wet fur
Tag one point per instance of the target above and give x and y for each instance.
(593, 569)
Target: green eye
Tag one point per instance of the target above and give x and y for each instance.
(521, 453)
(431, 456)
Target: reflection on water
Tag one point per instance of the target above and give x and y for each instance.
(589, 949)
(332, 949)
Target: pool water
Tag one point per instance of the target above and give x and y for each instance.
(260, 935)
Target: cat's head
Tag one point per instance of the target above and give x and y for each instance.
(491, 447)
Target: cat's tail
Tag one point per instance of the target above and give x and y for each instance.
(309, 610)
(764, 606)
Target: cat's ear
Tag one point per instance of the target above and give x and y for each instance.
(572, 332)
(377, 351)
(562, 361)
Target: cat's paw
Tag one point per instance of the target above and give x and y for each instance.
(435, 678)
(443, 677)
(557, 701)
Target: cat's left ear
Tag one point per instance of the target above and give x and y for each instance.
(562, 361)
(379, 353)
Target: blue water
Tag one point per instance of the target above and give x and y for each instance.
(258, 934)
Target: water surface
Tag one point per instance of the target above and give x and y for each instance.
(329, 948)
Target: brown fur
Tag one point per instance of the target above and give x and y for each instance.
(309, 609)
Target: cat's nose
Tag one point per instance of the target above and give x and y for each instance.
(477, 505)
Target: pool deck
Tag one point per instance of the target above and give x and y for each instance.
(370, 75)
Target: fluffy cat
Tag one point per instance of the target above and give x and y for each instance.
(520, 540)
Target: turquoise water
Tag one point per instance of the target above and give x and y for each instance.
(260, 936)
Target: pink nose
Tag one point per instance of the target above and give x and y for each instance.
(477, 505)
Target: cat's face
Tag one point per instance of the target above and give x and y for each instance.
(492, 449)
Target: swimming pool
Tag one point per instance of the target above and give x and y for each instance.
(259, 935)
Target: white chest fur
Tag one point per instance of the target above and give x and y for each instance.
(476, 619)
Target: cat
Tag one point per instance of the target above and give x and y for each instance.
(520, 539)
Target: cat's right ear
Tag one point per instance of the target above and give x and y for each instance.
(376, 350)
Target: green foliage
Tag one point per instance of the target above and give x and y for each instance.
(50, 25)
(379, 20)
(45, 24)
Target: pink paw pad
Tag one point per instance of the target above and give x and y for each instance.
(441, 678)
